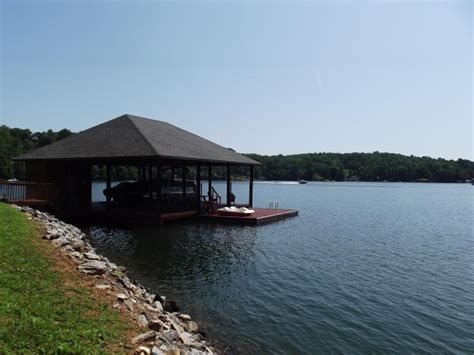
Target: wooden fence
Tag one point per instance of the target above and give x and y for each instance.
(26, 193)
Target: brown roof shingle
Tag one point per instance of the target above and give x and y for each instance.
(133, 136)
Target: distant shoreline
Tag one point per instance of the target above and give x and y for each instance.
(293, 182)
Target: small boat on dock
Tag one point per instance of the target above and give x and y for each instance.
(235, 212)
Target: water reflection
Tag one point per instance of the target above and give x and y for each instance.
(179, 255)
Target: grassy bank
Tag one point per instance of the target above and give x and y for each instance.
(44, 306)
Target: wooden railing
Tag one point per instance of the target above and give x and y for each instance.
(210, 203)
(27, 193)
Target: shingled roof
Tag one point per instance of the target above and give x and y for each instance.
(131, 136)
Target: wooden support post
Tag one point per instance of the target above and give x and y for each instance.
(229, 187)
(198, 188)
(158, 185)
(108, 177)
(251, 186)
(150, 178)
(183, 177)
(209, 181)
(172, 173)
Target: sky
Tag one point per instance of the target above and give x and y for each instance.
(270, 77)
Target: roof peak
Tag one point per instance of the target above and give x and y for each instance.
(133, 117)
(135, 136)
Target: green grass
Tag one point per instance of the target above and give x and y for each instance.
(39, 313)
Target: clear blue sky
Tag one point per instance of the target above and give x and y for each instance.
(257, 76)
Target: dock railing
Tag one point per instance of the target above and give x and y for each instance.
(27, 193)
(210, 203)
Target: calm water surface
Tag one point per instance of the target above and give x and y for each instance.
(366, 267)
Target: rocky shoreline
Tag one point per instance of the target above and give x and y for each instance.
(167, 330)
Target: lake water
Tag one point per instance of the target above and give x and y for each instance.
(364, 268)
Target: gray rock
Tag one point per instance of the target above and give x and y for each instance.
(142, 350)
(143, 337)
(142, 320)
(192, 327)
(77, 244)
(60, 242)
(91, 256)
(152, 309)
(175, 323)
(121, 297)
(164, 348)
(129, 304)
(150, 297)
(188, 338)
(76, 254)
(166, 338)
(169, 336)
(52, 234)
(112, 266)
(67, 249)
(125, 281)
(157, 305)
(184, 317)
(102, 285)
(193, 351)
(93, 267)
(166, 326)
(156, 351)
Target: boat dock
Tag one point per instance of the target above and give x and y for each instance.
(99, 213)
(261, 216)
(170, 176)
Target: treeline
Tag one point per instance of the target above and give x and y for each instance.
(314, 167)
(15, 141)
(362, 166)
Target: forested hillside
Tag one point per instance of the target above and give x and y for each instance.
(313, 166)
(363, 166)
(15, 141)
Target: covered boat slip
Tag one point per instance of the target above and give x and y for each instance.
(169, 164)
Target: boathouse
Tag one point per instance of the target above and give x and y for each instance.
(170, 164)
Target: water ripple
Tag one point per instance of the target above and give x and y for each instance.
(383, 269)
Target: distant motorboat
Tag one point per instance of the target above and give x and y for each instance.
(302, 182)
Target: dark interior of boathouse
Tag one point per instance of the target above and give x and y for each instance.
(171, 164)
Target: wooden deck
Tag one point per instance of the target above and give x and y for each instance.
(177, 215)
(261, 216)
(99, 213)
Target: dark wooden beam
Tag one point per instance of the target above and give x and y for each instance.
(108, 177)
(150, 178)
(158, 184)
(209, 181)
(251, 186)
(183, 177)
(229, 187)
(198, 188)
